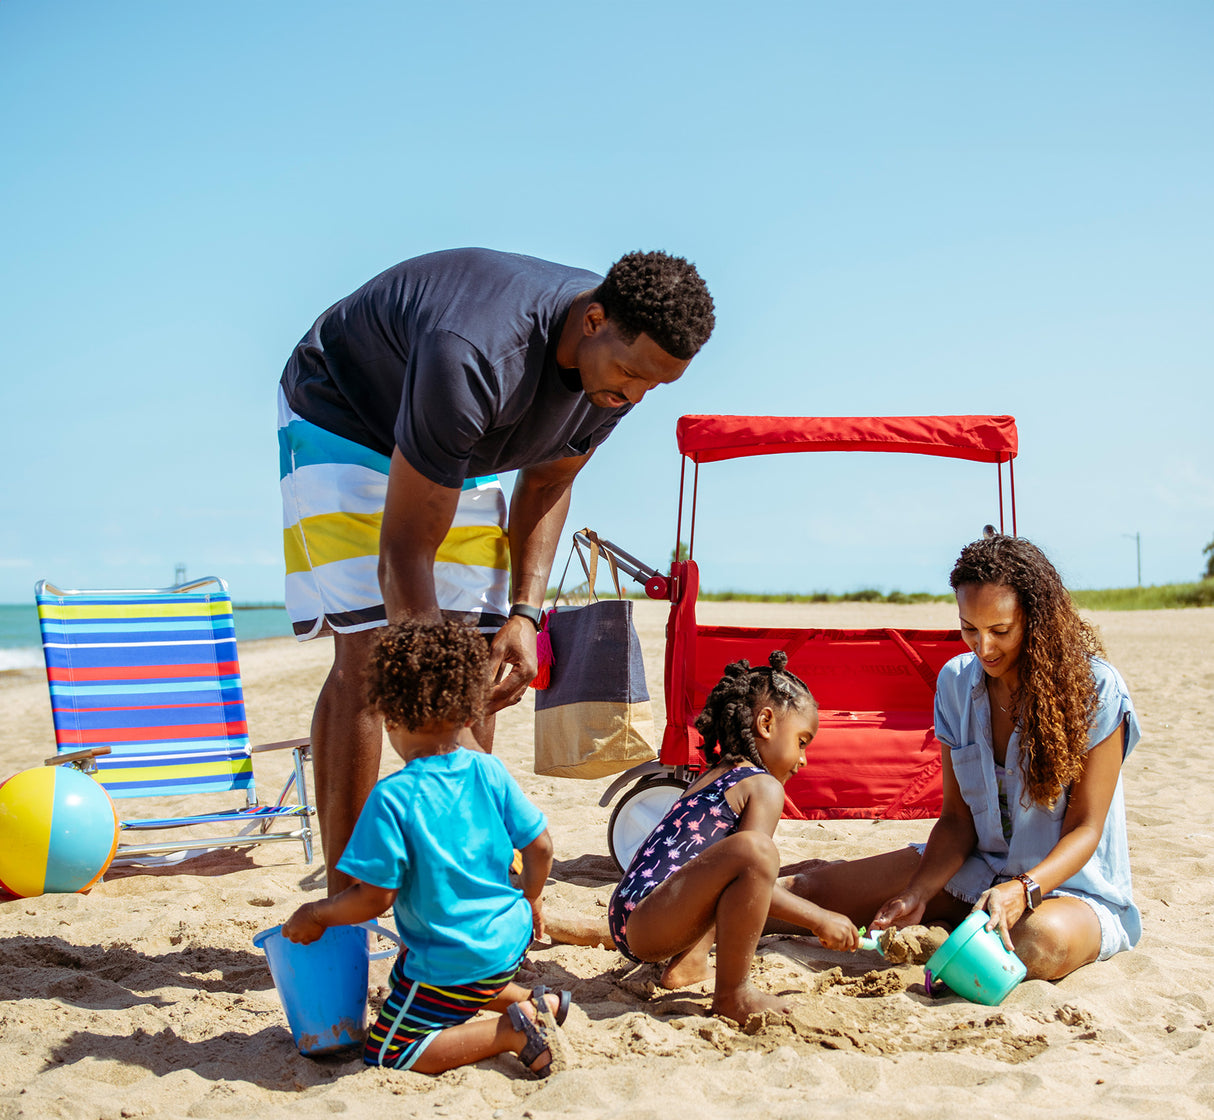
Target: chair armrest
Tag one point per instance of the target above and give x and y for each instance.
(76, 756)
(291, 743)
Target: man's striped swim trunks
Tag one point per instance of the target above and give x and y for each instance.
(333, 493)
(414, 1013)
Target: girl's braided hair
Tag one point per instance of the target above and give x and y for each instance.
(728, 719)
(427, 673)
(1057, 700)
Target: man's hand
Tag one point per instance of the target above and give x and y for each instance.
(513, 646)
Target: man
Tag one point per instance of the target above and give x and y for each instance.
(396, 412)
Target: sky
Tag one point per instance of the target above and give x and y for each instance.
(900, 209)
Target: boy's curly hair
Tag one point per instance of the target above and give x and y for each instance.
(661, 296)
(1057, 699)
(728, 718)
(426, 673)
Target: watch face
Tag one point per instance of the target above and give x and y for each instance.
(1032, 891)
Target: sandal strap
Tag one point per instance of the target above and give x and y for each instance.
(537, 1039)
(563, 1000)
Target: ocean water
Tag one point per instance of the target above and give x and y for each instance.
(21, 644)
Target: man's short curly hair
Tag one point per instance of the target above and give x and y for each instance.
(427, 673)
(661, 296)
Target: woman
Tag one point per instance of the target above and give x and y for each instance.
(1034, 726)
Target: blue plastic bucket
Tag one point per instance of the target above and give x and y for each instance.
(974, 963)
(323, 986)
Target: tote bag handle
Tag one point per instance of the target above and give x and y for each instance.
(590, 565)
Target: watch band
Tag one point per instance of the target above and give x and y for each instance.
(1032, 891)
(527, 611)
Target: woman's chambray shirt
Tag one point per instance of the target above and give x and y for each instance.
(963, 724)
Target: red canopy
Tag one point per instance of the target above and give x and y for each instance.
(981, 439)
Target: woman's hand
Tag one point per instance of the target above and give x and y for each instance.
(904, 909)
(837, 932)
(303, 926)
(1005, 904)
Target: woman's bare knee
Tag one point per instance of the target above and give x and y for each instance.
(1055, 940)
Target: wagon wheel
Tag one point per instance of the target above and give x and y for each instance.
(636, 814)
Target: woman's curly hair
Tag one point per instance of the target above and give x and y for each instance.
(1057, 699)
(728, 718)
(661, 296)
(427, 673)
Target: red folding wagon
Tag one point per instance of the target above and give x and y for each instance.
(876, 755)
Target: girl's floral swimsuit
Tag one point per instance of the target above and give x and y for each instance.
(692, 824)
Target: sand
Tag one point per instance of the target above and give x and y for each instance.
(146, 997)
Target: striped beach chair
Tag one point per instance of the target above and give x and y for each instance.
(146, 695)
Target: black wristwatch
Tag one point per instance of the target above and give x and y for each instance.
(530, 613)
(1032, 891)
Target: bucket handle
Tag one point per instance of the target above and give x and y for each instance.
(935, 987)
(375, 927)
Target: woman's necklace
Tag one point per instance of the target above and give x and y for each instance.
(1012, 697)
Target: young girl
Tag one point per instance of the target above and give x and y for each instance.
(434, 841)
(708, 870)
(1034, 726)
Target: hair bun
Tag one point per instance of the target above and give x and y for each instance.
(738, 668)
(778, 659)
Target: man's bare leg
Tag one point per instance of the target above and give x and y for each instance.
(347, 735)
(480, 734)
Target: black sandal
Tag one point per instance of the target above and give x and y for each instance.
(564, 999)
(537, 1040)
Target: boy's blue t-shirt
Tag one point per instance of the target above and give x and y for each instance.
(442, 832)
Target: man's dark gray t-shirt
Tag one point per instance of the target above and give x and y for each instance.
(452, 358)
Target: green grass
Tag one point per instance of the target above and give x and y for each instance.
(1148, 598)
(866, 595)
(1159, 597)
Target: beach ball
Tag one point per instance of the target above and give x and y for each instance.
(58, 831)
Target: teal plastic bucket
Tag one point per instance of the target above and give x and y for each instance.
(323, 986)
(974, 963)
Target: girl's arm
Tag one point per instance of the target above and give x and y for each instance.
(761, 811)
(1082, 826)
(357, 903)
(834, 930)
(537, 864)
(951, 840)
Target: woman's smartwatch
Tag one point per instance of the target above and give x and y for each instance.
(1032, 891)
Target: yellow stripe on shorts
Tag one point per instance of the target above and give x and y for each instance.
(484, 546)
(330, 537)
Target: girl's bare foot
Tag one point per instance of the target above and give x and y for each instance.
(686, 969)
(745, 1002)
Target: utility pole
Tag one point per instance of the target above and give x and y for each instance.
(1137, 539)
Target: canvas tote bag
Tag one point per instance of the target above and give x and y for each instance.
(595, 717)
